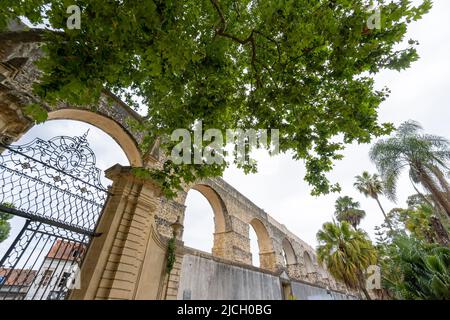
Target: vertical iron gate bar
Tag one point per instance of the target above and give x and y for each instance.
(8, 252)
(16, 240)
(34, 263)
(59, 282)
(13, 267)
(57, 274)
(40, 276)
(44, 270)
(57, 188)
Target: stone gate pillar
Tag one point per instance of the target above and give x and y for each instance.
(128, 260)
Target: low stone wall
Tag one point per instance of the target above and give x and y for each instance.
(303, 291)
(204, 277)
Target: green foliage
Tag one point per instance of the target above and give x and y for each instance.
(417, 221)
(304, 67)
(171, 256)
(36, 112)
(416, 270)
(5, 226)
(420, 220)
(414, 265)
(346, 252)
(348, 210)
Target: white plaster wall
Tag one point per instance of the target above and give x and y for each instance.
(302, 291)
(205, 279)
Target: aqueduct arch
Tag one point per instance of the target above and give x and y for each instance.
(128, 260)
(309, 265)
(266, 251)
(290, 256)
(220, 215)
(217, 204)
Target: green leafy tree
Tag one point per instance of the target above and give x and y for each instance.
(304, 67)
(5, 226)
(426, 156)
(347, 253)
(371, 186)
(346, 209)
(420, 220)
(417, 270)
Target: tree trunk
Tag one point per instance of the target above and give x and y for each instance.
(436, 222)
(362, 286)
(442, 181)
(366, 293)
(384, 214)
(429, 184)
(421, 194)
(439, 229)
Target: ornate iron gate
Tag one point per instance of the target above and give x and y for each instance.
(55, 186)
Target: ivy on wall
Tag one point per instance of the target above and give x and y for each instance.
(171, 257)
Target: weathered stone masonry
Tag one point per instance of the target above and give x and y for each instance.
(128, 260)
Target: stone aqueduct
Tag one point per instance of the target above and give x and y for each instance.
(128, 260)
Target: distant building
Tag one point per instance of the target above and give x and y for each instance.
(52, 281)
(57, 271)
(14, 283)
(58, 268)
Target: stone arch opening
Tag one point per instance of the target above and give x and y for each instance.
(217, 205)
(198, 222)
(267, 259)
(209, 236)
(107, 125)
(309, 265)
(254, 247)
(288, 253)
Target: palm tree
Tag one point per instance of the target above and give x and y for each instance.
(425, 155)
(371, 186)
(417, 270)
(346, 253)
(346, 209)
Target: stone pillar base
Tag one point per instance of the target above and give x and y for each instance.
(229, 245)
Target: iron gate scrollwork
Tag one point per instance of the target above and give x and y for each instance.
(56, 187)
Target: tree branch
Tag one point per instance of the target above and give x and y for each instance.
(30, 35)
(271, 40)
(221, 31)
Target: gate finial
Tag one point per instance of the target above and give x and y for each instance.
(82, 140)
(84, 136)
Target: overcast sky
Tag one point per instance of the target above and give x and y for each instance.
(421, 93)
